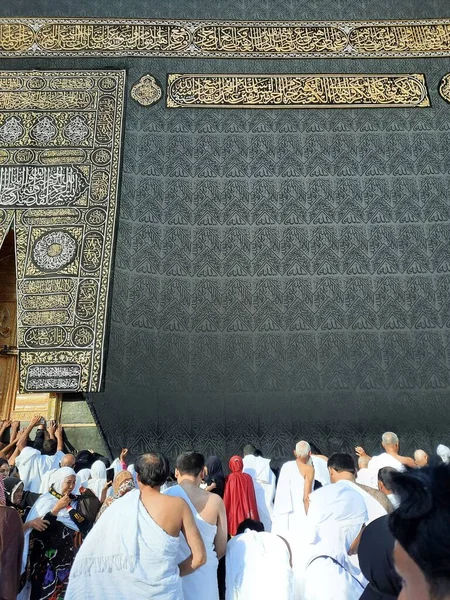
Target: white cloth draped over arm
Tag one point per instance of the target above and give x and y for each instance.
(29, 471)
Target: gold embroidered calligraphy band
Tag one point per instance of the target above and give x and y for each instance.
(296, 91)
(239, 39)
(60, 141)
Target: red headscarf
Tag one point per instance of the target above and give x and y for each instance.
(239, 497)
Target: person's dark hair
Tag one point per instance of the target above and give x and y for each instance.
(190, 463)
(342, 462)
(49, 447)
(421, 524)
(385, 476)
(83, 460)
(103, 459)
(249, 449)
(249, 524)
(3, 461)
(152, 468)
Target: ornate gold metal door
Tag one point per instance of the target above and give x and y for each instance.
(12, 404)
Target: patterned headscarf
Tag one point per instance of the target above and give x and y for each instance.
(2, 493)
(123, 477)
(123, 483)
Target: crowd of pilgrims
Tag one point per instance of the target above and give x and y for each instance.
(342, 527)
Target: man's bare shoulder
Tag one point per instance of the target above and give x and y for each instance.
(175, 501)
(214, 499)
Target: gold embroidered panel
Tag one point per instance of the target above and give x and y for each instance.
(238, 39)
(6, 218)
(296, 91)
(444, 87)
(60, 133)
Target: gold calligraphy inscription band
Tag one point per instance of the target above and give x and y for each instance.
(296, 91)
(60, 142)
(239, 39)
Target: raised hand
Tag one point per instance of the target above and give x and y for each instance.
(62, 503)
(35, 420)
(360, 451)
(123, 454)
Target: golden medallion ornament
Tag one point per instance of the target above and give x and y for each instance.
(296, 91)
(224, 39)
(444, 87)
(146, 91)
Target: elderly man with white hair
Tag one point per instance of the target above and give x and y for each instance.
(291, 505)
(389, 458)
(292, 496)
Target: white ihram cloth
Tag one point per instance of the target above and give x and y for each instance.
(45, 504)
(126, 555)
(45, 481)
(321, 472)
(375, 510)
(264, 482)
(379, 462)
(97, 480)
(336, 515)
(33, 465)
(201, 584)
(364, 477)
(288, 510)
(257, 567)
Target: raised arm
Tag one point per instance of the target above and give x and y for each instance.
(194, 540)
(59, 438)
(361, 452)
(220, 541)
(52, 430)
(407, 461)
(23, 439)
(7, 450)
(3, 427)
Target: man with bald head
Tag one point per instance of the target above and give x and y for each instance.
(68, 460)
(421, 458)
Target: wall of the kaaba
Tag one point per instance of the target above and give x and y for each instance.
(279, 274)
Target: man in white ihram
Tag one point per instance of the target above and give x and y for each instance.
(292, 496)
(264, 481)
(389, 458)
(295, 484)
(132, 552)
(211, 519)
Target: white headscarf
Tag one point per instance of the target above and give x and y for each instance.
(444, 453)
(29, 471)
(46, 503)
(98, 478)
(84, 475)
